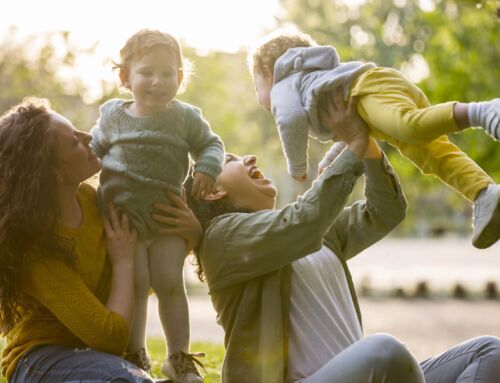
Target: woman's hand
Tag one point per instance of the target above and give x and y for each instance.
(344, 121)
(181, 218)
(121, 239)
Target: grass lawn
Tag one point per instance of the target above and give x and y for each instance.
(156, 346)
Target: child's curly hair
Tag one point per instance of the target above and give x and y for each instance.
(141, 42)
(264, 56)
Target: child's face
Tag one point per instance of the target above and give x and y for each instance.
(153, 79)
(263, 83)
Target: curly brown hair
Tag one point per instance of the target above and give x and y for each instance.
(141, 43)
(28, 199)
(264, 56)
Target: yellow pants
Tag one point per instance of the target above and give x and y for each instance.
(398, 112)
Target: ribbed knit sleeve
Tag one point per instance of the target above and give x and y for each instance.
(206, 147)
(100, 137)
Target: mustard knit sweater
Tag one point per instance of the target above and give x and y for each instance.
(65, 306)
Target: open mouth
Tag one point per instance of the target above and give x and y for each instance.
(256, 173)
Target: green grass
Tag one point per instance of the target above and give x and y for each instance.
(156, 346)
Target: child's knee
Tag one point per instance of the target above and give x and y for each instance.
(168, 286)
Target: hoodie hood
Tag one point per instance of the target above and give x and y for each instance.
(305, 58)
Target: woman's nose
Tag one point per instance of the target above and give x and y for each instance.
(250, 160)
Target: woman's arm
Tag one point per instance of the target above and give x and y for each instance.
(60, 289)
(368, 221)
(121, 242)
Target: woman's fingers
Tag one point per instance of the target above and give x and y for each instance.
(107, 226)
(115, 222)
(338, 102)
(164, 219)
(125, 224)
(353, 105)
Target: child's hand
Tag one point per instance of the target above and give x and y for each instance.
(203, 185)
(300, 178)
(121, 239)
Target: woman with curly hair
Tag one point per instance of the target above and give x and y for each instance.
(66, 280)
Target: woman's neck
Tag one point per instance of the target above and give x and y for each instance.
(71, 214)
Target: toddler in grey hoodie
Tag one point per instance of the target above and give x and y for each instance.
(291, 75)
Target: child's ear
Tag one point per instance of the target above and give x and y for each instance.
(218, 195)
(124, 77)
(180, 75)
(268, 73)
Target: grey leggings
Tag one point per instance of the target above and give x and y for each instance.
(383, 359)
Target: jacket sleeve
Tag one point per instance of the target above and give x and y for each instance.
(238, 247)
(293, 125)
(61, 290)
(366, 222)
(206, 147)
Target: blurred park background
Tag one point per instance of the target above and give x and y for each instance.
(451, 48)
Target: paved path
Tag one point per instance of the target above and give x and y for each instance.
(427, 327)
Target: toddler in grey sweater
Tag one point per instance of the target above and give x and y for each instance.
(145, 145)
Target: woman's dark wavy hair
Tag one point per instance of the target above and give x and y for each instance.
(28, 202)
(205, 211)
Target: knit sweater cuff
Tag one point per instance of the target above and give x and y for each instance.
(208, 170)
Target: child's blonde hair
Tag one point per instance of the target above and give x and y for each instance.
(274, 45)
(140, 43)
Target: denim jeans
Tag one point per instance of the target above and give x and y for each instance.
(58, 364)
(474, 361)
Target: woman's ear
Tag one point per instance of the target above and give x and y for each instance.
(218, 195)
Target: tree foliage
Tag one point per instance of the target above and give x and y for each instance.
(450, 48)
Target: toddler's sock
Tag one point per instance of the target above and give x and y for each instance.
(486, 114)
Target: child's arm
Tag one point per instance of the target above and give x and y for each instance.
(203, 185)
(206, 149)
(293, 128)
(100, 143)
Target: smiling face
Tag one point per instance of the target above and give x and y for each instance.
(75, 159)
(154, 80)
(245, 185)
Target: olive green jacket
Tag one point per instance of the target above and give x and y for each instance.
(246, 258)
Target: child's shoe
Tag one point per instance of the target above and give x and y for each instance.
(181, 368)
(487, 115)
(486, 217)
(140, 358)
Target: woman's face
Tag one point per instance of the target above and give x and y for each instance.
(76, 161)
(245, 184)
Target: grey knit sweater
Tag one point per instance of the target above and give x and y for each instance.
(144, 156)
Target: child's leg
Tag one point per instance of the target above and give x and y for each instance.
(445, 160)
(142, 287)
(166, 256)
(402, 117)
